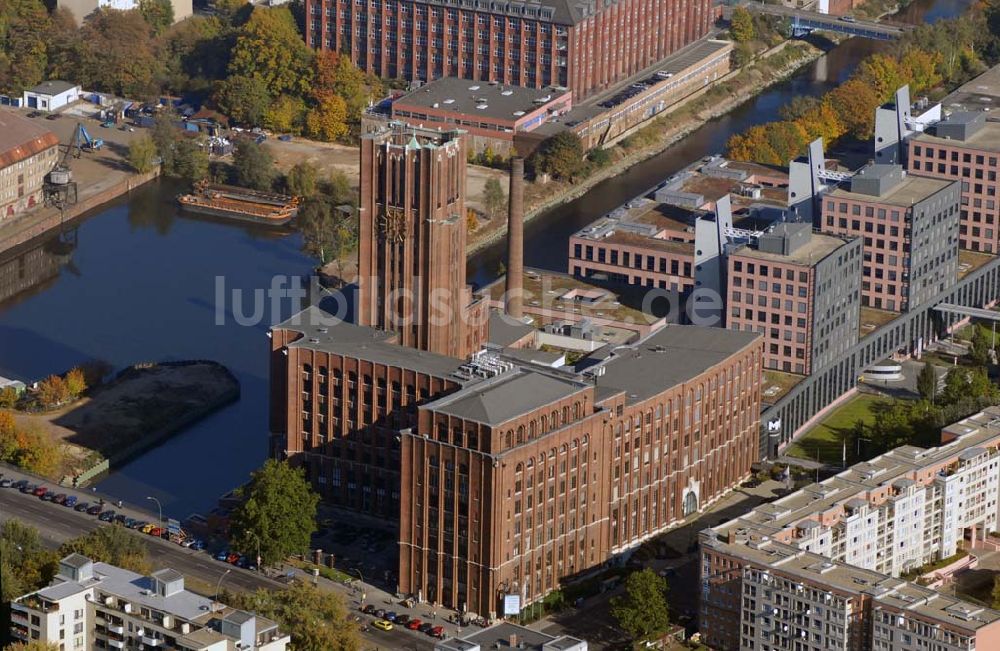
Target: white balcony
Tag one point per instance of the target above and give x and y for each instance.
(116, 644)
(150, 641)
(118, 630)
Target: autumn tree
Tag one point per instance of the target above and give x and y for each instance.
(285, 114)
(269, 47)
(316, 620)
(336, 75)
(33, 645)
(855, 102)
(494, 197)
(9, 397)
(142, 153)
(76, 384)
(882, 73)
(52, 392)
(37, 451)
(254, 165)
(327, 120)
(23, 51)
(642, 612)
(195, 52)
(117, 54)
(741, 26)
(277, 513)
(327, 233)
(111, 544)
(8, 436)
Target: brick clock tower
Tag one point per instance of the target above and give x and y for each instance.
(412, 235)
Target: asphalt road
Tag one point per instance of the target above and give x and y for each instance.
(56, 524)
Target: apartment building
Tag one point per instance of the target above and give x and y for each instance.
(964, 147)
(587, 47)
(800, 290)
(28, 151)
(909, 226)
(849, 538)
(92, 605)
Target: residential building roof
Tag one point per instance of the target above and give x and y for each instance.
(52, 87)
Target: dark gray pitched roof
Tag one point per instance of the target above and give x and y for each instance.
(507, 396)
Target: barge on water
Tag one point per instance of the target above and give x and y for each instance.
(243, 204)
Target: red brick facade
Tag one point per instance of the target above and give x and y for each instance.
(585, 47)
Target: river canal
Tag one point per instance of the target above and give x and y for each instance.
(141, 285)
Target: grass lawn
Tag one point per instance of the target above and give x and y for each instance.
(826, 437)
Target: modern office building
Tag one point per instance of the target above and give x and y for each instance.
(964, 147)
(411, 253)
(909, 227)
(586, 46)
(99, 606)
(800, 290)
(818, 569)
(28, 151)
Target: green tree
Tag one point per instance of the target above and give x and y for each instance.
(190, 160)
(254, 165)
(956, 385)
(317, 621)
(158, 13)
(142, 153)
(245, 99)
(111, 544)
(980, 347)
(195, 52)
(927, 382)
(269, 47)
(642, 612)
(338, 188)
(996, 592)
(494, 197)
(327, 233)
(561, 156)
(741, 25)
(25, 563)
(277, 512)
(301, 180)
(76, 384)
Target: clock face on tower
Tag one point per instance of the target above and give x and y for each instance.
(392, 224)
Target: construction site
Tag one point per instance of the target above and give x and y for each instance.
(91, 169)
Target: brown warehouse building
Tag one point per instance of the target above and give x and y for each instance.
(504, 476)
(584, 46)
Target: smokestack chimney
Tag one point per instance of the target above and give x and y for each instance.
(515, 240)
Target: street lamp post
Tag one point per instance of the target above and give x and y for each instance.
(218, 586)
(159, 506)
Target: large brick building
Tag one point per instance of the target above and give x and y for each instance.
(28, 151)
(504, 475)
(584, 46)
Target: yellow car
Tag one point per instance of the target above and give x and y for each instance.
(382, 625)
(147, 528)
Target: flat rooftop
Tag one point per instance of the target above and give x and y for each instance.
(982, 92)
(475, 98)
(820, 245)
(507, 396)
(904, 194)
(986, 138)
(321, 331)
(22, 137)
(499, 635)
(669, 356)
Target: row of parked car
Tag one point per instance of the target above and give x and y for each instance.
(98, 509)
(239, 560)
(386, 620)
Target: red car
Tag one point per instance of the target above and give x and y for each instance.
(437, 631)
(233, 559)
(414, 624)
(41, 490)
(156, 531)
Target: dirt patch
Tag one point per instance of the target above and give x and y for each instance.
(143, 401)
